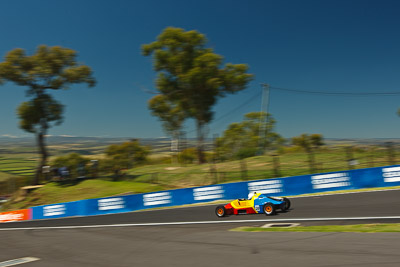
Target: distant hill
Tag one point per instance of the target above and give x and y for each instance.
(86, 145)
(96, 145)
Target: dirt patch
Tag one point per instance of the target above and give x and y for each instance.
(260, 164)
(172, 168)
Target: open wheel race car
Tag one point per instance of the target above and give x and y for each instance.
(258, 203)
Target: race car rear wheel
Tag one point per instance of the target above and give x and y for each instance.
(269, 209)
(287, 203)
(220, 211)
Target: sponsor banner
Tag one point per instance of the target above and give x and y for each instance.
(208, 193)
(114, 203)
(106, 205)
(391, 175)
(266, 187)
(13, 216)
(330, 180)
(153, 199)
(59, 210)
(54, 210)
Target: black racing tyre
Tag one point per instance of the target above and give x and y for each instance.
(287, 203)
(269, 209)
(220, 211)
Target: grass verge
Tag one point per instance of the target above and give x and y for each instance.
(58, 193)
(356, 228)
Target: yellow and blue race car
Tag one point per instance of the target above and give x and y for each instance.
(258, 203)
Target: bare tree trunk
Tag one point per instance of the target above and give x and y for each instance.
(200, 141)
(43, 158)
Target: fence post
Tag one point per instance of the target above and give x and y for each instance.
(276, 165)
(154, 177)
(390, 153)
(213, 168)
(350, 157)
(311, 160)
(243, 168)
(214, 174)
(371, 157)
(221, 177)
(183, 146)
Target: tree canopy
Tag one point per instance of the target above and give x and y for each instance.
(191, 77)
(125, 156)
(242, 139)
(308, 142)
(171, 115)
(49, 68)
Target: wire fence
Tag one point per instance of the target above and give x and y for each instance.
(275, 166)
(272, 166)
(12, 184)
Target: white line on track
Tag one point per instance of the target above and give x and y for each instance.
(18, 261)
(199, 222)
(322, 194)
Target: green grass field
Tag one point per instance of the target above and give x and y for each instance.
(259, 167)
(58, 192)
(10, 167)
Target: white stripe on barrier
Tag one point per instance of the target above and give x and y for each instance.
(158, 202)
(391, 169)
(201, 222)
(207, 188)
(209, 197)
(392, 179)
(154, 195)
(330, 185)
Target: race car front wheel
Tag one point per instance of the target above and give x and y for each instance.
(220, 211)
(269, 209)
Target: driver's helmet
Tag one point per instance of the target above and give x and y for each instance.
(251, 194)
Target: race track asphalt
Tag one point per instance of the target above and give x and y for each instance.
(369, 204)
(211, 244)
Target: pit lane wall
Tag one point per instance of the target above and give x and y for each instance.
(288, 186)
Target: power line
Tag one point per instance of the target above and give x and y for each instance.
(257, 95)
(229, 113)
(336, 93)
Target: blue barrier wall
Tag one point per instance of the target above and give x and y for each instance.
(68, 209)
(288, 186)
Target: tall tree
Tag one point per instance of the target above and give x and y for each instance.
(169, 113)
(191, 76)
(309, 143)
(242, 139)
(124, 156)
(49, 68)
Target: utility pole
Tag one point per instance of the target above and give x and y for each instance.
(263, 120)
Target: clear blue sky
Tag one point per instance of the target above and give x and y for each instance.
(341, 45)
